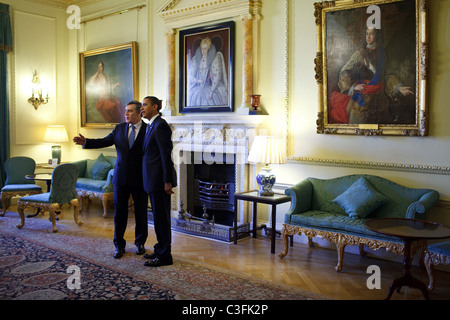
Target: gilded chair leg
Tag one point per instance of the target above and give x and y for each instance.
(285, 238)
(310, 242)
(362, 253)
(22, 216)
(422, 249)
(80, 202)
(340, 249)
(5, 201)
(86, 202)
(76, 208)
(52, 213)
(430, 270)
(105, 206)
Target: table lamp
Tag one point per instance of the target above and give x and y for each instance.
(266, 150)
(56, 134)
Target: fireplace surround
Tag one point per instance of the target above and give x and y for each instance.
(210, 156)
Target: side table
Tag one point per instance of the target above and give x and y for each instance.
(408, 230)
(254, 197)
(47, 177)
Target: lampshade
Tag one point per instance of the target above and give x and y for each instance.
(56, 134)
(267, 150)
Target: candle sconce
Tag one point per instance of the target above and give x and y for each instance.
(36, 98)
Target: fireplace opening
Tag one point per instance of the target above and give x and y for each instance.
(211, 188)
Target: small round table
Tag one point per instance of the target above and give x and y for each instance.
(47, 177)
(408, 230)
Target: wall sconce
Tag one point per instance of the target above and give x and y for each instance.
(36, 99)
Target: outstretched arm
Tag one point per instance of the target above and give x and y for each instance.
(80, 139)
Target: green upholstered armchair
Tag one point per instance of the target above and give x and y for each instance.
(16, 184)
(95, 180)
(62, 191)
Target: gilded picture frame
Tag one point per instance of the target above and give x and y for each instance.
(206, 77)
(108, 81)
(371, 67)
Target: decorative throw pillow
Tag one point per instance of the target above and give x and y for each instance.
(360, 199)
(89, 164)
(100, 168)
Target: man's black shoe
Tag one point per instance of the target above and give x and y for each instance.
(119, 253)
(150, 256)
(140, 249)
(158, 263)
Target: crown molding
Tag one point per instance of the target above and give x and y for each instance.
(63, 4)
(175, 16)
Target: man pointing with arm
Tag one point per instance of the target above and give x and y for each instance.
(128, 138)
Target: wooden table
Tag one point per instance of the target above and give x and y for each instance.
(408, 230)
(47, 177)
(254, 197)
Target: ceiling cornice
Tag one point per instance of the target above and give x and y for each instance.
(63, 4)
(175, 14)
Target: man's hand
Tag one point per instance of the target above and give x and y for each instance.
(168, 188)
(80, 139)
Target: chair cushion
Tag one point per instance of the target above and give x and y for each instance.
(21, 187)
(101, 168)
(41, 198)
(360, 199)
(442, 248)
(90, 184)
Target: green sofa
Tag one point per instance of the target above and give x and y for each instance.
(336, 209)
(95, 180)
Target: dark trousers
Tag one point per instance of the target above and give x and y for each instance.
(160, 202)
(140, 198)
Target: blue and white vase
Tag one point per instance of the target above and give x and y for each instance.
(265, 180)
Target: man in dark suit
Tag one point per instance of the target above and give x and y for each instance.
(128, 138)
(159, 179)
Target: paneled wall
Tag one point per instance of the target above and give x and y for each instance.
(41, 45)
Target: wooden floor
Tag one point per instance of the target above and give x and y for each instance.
(311, 269)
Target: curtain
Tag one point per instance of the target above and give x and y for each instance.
(5, 47)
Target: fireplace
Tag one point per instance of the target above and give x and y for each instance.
(211, 191)
(210, 156)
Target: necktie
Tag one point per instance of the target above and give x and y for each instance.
(131, 137)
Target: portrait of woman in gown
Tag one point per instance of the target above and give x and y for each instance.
(108, 81)
(207, 76)
(107, 104)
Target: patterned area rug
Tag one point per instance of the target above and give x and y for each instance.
(29, 271)
(36, 264)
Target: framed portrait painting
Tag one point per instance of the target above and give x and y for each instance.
(108, 81)
(206, 68)
(371, 67)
